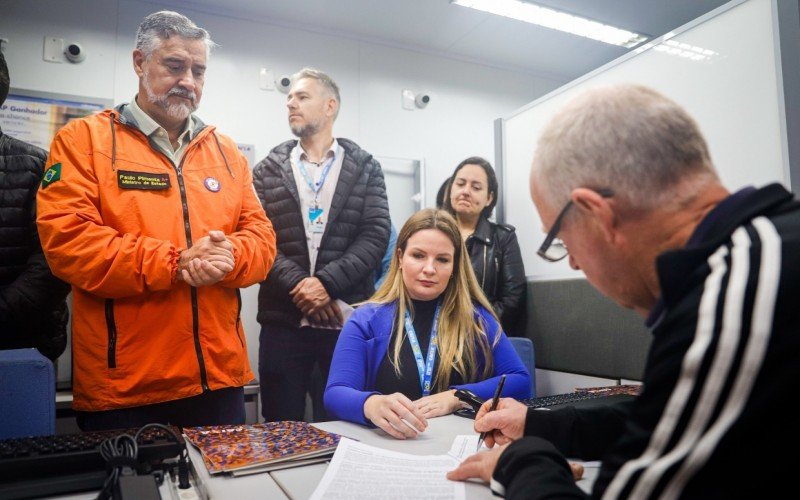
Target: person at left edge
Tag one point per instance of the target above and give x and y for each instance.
(33, 309)
(151, 216)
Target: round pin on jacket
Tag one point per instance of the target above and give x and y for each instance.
(212, 184)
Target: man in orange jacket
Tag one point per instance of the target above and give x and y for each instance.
(151, 216)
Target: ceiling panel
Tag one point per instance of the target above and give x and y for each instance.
(450, 30)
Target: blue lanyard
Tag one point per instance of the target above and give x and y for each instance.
(316, 186)
(425, 369)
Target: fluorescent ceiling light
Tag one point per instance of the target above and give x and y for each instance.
(553, 19)
(681, 49)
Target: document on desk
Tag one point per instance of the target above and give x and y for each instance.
(465, 445)
(362, 471)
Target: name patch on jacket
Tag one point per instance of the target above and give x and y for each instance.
(128, 179)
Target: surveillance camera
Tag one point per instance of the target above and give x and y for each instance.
(422, 100)
(74, 53)
(283, 83)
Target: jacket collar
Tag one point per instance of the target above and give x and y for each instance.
(483, 231)
(126, 117)
(675, 268)
(352, 165)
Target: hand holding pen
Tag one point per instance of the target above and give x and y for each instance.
(493, 406)
(504, 424)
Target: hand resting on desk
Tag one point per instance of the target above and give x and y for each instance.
(395, 414)
(436, 405)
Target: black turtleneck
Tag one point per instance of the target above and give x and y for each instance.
(387, 381)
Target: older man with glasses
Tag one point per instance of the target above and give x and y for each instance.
(622, 176)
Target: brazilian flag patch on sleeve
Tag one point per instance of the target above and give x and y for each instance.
(51, 175)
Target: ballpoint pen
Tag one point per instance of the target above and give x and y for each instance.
(495, 399)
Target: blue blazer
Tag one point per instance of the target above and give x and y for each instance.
(363, 343)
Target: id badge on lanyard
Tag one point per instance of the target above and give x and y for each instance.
(316, 223)
(425, 368)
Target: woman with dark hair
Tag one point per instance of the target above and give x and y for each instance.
(442, 194)
(493, 248)
(426, 332)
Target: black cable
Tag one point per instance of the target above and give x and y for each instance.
(112, 450)
(121, 452)
(183, 458)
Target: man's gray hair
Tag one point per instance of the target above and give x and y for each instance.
(627, 138)
(159, 26)
(324, 79)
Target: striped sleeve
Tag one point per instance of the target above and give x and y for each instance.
(718, 370)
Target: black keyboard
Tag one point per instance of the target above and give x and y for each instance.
(560, 399)
(49, 465)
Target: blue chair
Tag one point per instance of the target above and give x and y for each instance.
(524, 348)
(27, 394)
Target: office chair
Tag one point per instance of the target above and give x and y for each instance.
(27, 393)
(524, 348)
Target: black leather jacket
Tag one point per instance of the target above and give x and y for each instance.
(497, 262)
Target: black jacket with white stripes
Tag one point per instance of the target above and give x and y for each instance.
(722, 370)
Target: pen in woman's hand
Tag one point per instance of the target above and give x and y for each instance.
(495, 399)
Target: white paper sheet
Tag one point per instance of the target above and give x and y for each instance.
(362, 471)
(465, 445)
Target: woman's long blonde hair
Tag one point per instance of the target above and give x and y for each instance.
(460, 330)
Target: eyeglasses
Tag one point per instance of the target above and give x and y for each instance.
(553, 249)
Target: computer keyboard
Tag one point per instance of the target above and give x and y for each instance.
(560, 399)
(580, 398)
(49, 465)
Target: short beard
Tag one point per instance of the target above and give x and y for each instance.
(307, 130)
(179, 111)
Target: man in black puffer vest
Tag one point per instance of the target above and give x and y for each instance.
(327, 201)
(33, 310)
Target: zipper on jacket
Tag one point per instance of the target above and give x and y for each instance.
(496, 273)
(195, 307)
(112, 334)
(483, 277)
(239, 315)
(188, 231)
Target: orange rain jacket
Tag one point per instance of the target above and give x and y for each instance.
(113, 215)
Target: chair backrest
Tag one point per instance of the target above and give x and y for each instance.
(27, 394)
(524, 348)
(577, 330)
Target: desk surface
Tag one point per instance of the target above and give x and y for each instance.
(299, 483)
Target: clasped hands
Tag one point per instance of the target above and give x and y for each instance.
(207, 261)
(313, 300)
(402, 418)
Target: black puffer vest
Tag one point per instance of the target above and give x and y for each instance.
(33, 312)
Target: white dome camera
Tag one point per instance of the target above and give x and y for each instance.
(283, 83)
(422, 99)
(74, 52)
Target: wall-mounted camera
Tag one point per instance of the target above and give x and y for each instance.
(74, 52)
(283, 83)
(422, 99)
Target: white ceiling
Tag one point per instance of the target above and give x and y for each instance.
(438, 27)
